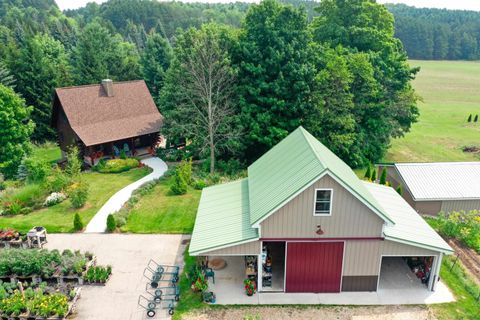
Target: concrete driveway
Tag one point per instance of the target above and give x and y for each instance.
(128, 254)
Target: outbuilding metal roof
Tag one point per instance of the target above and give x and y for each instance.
(292, 165)
(409, 228)
(222, 218)
(441, 180)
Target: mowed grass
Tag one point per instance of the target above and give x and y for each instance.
(450, 92)
(48, 152)
(59, 218)
(160, 211)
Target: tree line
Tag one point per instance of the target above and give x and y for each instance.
(233, 79)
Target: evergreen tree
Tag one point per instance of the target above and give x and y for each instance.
(476, 118)
(15, 131)
(111, 224)
(399, 190)
(155, 61)
(41, 67)
(275, 74)
(383, 177)
(469, 118)
(6, 78)
(368, 173)
(374, 175)
(77, 222)
(99, 55)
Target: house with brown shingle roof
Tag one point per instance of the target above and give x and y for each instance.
(103, 119)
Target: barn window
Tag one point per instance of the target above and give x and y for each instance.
(323, 202)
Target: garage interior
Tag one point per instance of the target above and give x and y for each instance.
(405, 272)
(273, 263)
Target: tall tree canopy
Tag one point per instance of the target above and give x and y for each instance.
(99, 55)
(15, 130)
(155, 61)
(41, 67)
(385, 103)
(275, 74)
(198, 97)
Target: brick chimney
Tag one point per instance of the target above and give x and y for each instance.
(107, 85)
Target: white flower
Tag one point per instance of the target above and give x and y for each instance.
(54, 198)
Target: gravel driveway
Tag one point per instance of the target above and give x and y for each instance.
(128, 254)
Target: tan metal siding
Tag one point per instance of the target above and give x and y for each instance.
(246, 249)
(393, 248)
(350, 217)
(428, 207)
(458, 205)
(361, 257)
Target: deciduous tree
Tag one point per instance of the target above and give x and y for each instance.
(15, 130)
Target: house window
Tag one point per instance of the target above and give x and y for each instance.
(323, 202)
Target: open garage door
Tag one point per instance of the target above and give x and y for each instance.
(405, 272)
(314, 266)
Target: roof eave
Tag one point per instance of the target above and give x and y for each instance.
(420, 245)
(219, 247)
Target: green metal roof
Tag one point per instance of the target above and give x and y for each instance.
(222, 218)
(291, 166)
(409, 228)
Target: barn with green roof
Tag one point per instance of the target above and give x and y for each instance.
(302, 221)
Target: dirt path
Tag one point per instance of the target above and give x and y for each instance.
(469, 258)
(311, 313)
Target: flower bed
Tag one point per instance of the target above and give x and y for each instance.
(116, 165)
(24, 301)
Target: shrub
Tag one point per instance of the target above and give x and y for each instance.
(374, 175)
(383, 177)
(469, 118)
(24, 199)
(230, 167)
(36, 170)
(476, 118)
(74, 164)
(118, 165)
(199, 184)
(2, 182)
(58, 181)
(78, 194)
(123, 155)
(464, 226)
(368, 173)
(54, 198)
(179, 185)
(111, 224)
(173, 155)
(77, 222)
(185, 170)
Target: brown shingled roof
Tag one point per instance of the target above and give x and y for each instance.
(96, 118)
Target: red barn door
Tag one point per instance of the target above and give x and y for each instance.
(314, 266)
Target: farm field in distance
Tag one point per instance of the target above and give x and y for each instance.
(450, 92)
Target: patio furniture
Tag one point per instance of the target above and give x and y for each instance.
(217, 264)
(209, 273)
(116, 151)
(37, 237)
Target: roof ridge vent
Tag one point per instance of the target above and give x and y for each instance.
(107, 85)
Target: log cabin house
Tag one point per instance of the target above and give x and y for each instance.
(104, 119)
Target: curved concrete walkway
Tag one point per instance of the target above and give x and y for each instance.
(115, 203)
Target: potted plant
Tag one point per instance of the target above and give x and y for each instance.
(200, 284)
(250, 287)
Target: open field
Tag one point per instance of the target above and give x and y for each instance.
(59, 218)
(450, 92)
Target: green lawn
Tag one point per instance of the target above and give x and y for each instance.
(450, 92)
(49, 152)
(162, 212)
(59, 218)
(467, 306)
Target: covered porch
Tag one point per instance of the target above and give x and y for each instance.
(139, 146)
(397, 287)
